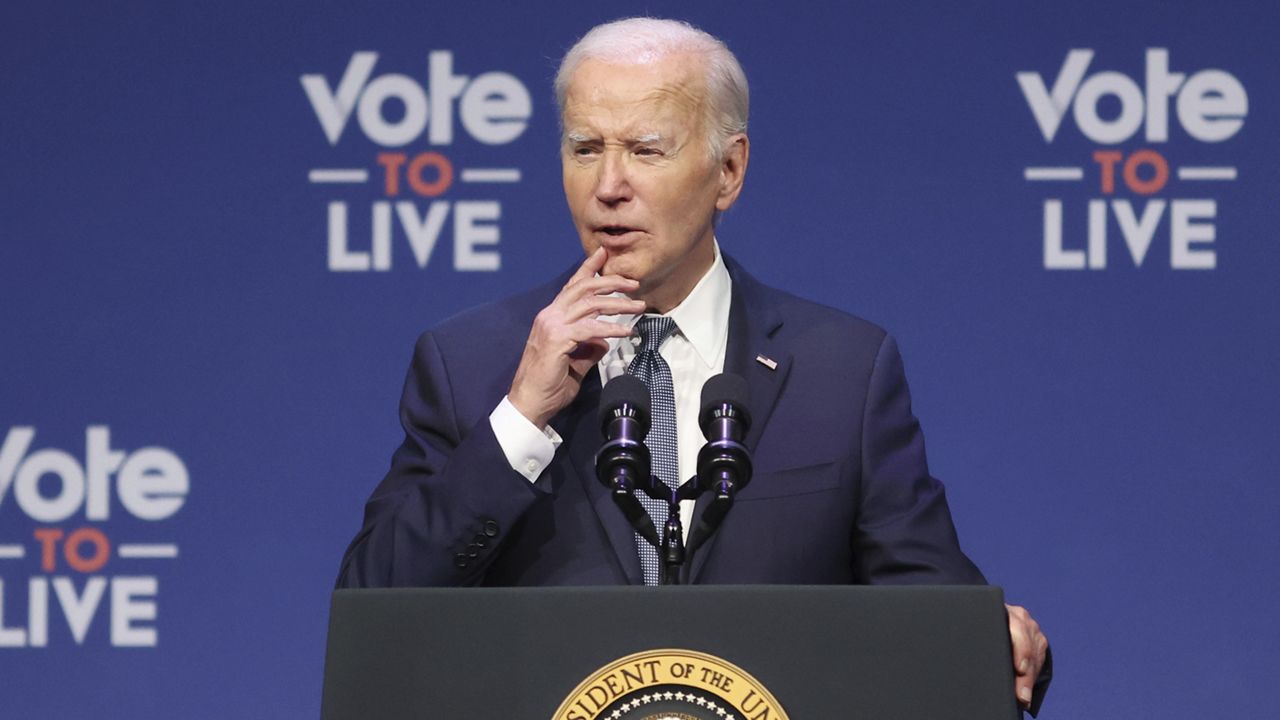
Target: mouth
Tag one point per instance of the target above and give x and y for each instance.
(615, 231)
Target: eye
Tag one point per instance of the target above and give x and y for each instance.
(648, 152)
(584, 151)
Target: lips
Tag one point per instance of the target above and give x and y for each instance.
(615, 230)
(617, 237)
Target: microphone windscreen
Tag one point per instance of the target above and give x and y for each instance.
(627, 389)
(726, 388)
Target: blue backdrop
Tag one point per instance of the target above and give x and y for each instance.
(196, 397)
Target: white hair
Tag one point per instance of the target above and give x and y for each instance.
(640, 40)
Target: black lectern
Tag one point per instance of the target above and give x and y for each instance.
(626, 653)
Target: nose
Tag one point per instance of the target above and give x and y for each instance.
(612, 183)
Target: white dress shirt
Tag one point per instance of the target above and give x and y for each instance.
(695, 352)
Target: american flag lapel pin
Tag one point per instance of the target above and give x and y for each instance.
(767, 362)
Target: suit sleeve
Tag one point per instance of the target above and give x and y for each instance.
(904, 532)
(449, 499)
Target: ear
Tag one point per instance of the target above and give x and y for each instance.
(733, 170)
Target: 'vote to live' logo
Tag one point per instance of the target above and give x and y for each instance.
(70, 557)
(1210, 107)
(419, 186)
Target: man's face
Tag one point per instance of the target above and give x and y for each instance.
(639, 176)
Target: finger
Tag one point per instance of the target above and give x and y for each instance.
(596, 285)
(1036, 644)
(1024, 635)
(589, 267)
(1023, 661)
(568, 339)
(1019, 650)
(554, 336)
(597, 305)
(1022, 687)
(588, 353)
(588, 329)
(1021, 645)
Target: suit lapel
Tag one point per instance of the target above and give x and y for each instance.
(755, 353)
(584, 438)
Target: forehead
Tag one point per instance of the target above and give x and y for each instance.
(666, 91)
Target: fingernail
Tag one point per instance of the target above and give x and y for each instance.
(1024, 695)
(1024, 666)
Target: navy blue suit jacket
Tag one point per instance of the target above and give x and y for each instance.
(841, 491)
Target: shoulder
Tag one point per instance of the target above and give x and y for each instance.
(803, 321)
(467, 361)
(508, 318)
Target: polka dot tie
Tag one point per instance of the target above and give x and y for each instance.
(649, 366)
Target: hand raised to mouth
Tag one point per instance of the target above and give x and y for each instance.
(568, 337)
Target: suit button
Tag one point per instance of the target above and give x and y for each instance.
(480, 541)
(491, 528)
(460, 560)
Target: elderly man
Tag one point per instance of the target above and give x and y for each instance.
(494, 483)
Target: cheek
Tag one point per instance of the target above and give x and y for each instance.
(575, 201)
(575, 183)
(686, 199)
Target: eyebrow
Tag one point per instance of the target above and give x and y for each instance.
(583, 138)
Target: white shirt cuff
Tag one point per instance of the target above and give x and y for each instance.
(527, 448)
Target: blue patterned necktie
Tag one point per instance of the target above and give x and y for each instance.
(649, 366)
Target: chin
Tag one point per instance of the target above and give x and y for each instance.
(625, 266)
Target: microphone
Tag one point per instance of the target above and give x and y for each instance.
(622, 463)
(724, 465)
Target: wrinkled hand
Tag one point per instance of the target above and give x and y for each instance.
(568, 338)
(1029, 648)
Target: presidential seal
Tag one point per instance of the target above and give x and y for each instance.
(670, 685)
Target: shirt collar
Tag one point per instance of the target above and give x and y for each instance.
(703, 319)
(703, 316)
